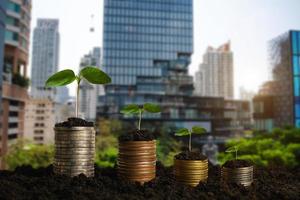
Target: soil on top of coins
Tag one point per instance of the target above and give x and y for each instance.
(137, 135)
(75, 122)
(237, 163)
(190, 155)
(28, 183)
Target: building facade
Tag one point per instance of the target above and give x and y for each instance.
(285, 86)
(15, 82)
(88, 92)
(39, 121)
(215, 75)
(147, 50)
(45, 57)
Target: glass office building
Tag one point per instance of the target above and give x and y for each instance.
(295, 53)
(147, 49)
(2, 31)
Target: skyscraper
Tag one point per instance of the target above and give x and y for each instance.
(284, 90)
(15, 82)
(2, 31)
(89, 93)
(147, 50)
(215, 75)
(45, 56)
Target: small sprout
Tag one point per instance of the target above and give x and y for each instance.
(89, 73)
(133, 109)
(233, 149)
(195, 130)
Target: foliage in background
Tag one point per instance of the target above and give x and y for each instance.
(280, 147)
(106, 150)
(20, 80)
(167, 147)
(24, 153)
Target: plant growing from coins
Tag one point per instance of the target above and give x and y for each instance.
(91, 74)
(133, 109)
(195, 130)
(233, 149)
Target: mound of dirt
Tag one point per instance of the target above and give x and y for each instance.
(28, 183)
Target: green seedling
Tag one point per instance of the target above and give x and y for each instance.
(233, 149)
(195, 130)
(91, 74)
(133, 109)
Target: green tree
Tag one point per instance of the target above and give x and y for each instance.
(25, 153)
(280, 147)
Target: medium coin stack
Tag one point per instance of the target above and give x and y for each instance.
(191, 172)
(74, 151)
(242, 175)
(137, 160)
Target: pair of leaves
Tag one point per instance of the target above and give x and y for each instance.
(91, 74)
(195, 129)
(135, 109)
(232, 149)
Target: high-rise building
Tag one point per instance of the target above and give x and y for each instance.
(45, 57)
(39, 121)
(284, 90)
(2, 31)
(15, 83)
(215, 75)
(147, 50)
(89, 93)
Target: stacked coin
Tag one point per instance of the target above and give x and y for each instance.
(242, 175)
(191, 172)
(74, 151)
(137, 160)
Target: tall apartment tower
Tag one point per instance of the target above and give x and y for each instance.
(45, 57)
(282, 93)
(215, 75)
(15, 83)
(88, 92)
(147, 50)
(2, 32)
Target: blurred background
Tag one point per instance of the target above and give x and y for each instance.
(232, 67)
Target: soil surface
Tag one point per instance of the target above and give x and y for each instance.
(73, 122)
(137, 135)
(237, 163)
(28, 183)
(190, 155)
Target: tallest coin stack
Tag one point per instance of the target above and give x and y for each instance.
(74, 151)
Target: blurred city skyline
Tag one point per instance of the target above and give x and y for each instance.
(215, 22)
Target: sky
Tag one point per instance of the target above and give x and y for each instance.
(248, 24)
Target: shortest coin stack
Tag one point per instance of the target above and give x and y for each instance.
(242, 175)
(74, 151)
(137, 160)
(191, 172)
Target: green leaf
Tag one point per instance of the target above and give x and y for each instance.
(198, 130)
(152, 108)
(95, 75)
(182, 132)
(130, 109)
(61, 78)
(231, 149)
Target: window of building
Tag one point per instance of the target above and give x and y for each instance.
(11, 36)
(13, 7)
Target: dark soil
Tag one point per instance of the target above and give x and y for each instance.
(190, 155)
(73, 122)
(137, 135)
(28, 183)
(237, 163)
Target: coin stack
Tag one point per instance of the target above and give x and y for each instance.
(74, 151)
(137, 160)
(191, 172)
(242, 175)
